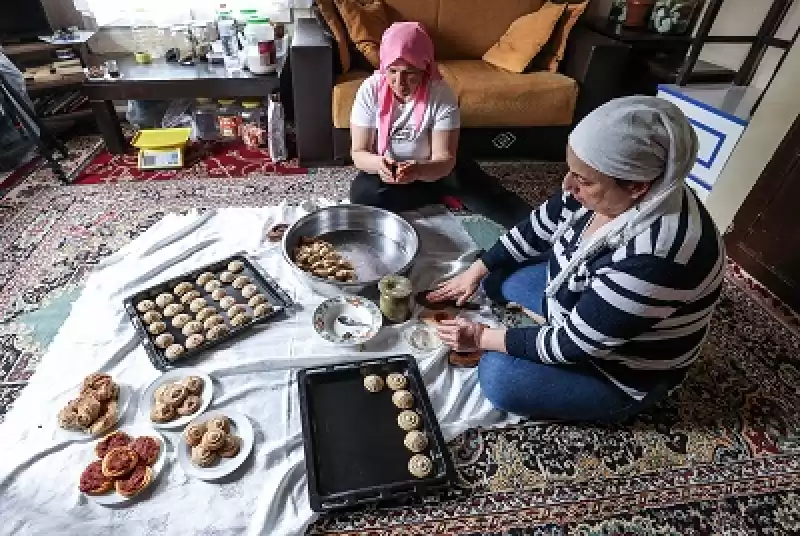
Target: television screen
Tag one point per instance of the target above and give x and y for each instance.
(22, 19)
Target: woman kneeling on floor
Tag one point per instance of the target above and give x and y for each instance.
(404, 125)
(625, 264)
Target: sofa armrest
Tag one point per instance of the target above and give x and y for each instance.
(597, 63)
(312, 88)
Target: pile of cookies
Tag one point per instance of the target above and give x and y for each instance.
(123, 463)
(95, 410)
(206, 310)
(320, 258)
(177, 399)
(409, 420)
(211, 441)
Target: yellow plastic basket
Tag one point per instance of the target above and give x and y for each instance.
(161, 138)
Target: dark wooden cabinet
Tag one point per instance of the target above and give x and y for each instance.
(765, 238)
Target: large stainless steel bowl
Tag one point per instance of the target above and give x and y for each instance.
(376, 241)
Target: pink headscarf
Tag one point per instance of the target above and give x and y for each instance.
(407, 41)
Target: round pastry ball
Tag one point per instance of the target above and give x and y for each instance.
(204, 278)
(249, 291)
(416, 441)
(409, 420)
(218, 294)
(174, 352)
(145, 305)
(195, 341)
(240, 282)
(157, 328)
(189, 296)
(262, 310)
(217, 332)
(205, 313)
(164, 340)
(212, 285)
(373, 383)
(173, 309)
(235, 266)
(256, 300)
(403, 399)
(227, 302)
(162, 300)
(192, 328)
(197, 305)
(396, 381)
(420, 465)
(236, 310)
(181, 320)
(240, 320)
(183, 288)
(227, 277)
(151, 316)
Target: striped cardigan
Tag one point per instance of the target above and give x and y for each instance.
(639, 312)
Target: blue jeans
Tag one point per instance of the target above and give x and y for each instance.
(549, 392)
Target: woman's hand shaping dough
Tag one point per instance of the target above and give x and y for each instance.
(461, 287)
(461, 335)
(386, 170)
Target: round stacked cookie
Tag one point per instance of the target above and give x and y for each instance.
(199, 318)
(409, 420)
(211, 441)
(177, 399)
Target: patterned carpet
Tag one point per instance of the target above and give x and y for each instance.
(720, 457)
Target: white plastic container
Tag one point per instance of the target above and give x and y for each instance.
(260, 48)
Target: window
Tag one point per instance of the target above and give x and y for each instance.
(162, 13)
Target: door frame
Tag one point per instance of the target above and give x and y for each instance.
(785, 161)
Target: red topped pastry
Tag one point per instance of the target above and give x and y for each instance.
(93, 481)
(134, 483)
(147, 448)
(112, 440)
(119, 462)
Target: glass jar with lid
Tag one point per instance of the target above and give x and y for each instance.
(228, 119)
(204, 122)
(253, 129)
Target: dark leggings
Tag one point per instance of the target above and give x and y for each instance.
(368, 189)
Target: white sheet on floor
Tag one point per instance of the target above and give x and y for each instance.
(255, 375)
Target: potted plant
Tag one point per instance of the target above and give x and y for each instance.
(672, 16)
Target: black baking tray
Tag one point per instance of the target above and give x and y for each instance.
(353, 446)
(279, 298)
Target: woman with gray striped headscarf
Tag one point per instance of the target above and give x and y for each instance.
(625, 264)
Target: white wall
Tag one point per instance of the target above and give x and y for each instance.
(776, 114)
(744, 17)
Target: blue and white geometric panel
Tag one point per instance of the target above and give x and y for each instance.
(717, 133)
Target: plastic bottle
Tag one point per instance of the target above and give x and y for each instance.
(227, 33)
(260, 48)
(276, 130)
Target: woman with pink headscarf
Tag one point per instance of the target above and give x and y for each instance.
(404, 125)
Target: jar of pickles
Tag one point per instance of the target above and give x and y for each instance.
(253, 129)
(229, 119)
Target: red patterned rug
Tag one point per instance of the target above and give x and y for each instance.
(228, 160)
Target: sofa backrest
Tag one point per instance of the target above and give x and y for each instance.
(462, 29)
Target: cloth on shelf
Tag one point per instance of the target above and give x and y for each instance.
(255, 375)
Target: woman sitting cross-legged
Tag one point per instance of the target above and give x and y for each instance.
(404, 125)
(625, 264)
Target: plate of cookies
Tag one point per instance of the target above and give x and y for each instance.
(95, 408)
(177, 397)
(123, 464)
(215, 444)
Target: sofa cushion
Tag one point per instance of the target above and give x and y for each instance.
(492, 97)
(365, 21)
(524, 39)
(552, 54)
(344, 94)
(327, 10)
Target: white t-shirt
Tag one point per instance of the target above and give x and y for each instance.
(406, 142)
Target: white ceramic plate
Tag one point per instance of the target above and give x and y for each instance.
(240, 426)
(113, 498)
(123, 401)
(347, 320)
(147, 399)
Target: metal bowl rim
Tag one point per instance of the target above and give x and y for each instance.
(355, 284)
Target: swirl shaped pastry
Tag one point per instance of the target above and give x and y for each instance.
(231, 447)
(68, 416)
(220, 422)
(119, 461)
(189, 406)
(147, 448)
(193, 384)
(213, 439)
(106, 421)
(93, 481)
(100, 385)
(136, 482)
(162, 413)
(89, 405)
(111, 441)
(203, 457)
(175, 394)
(194, 434)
